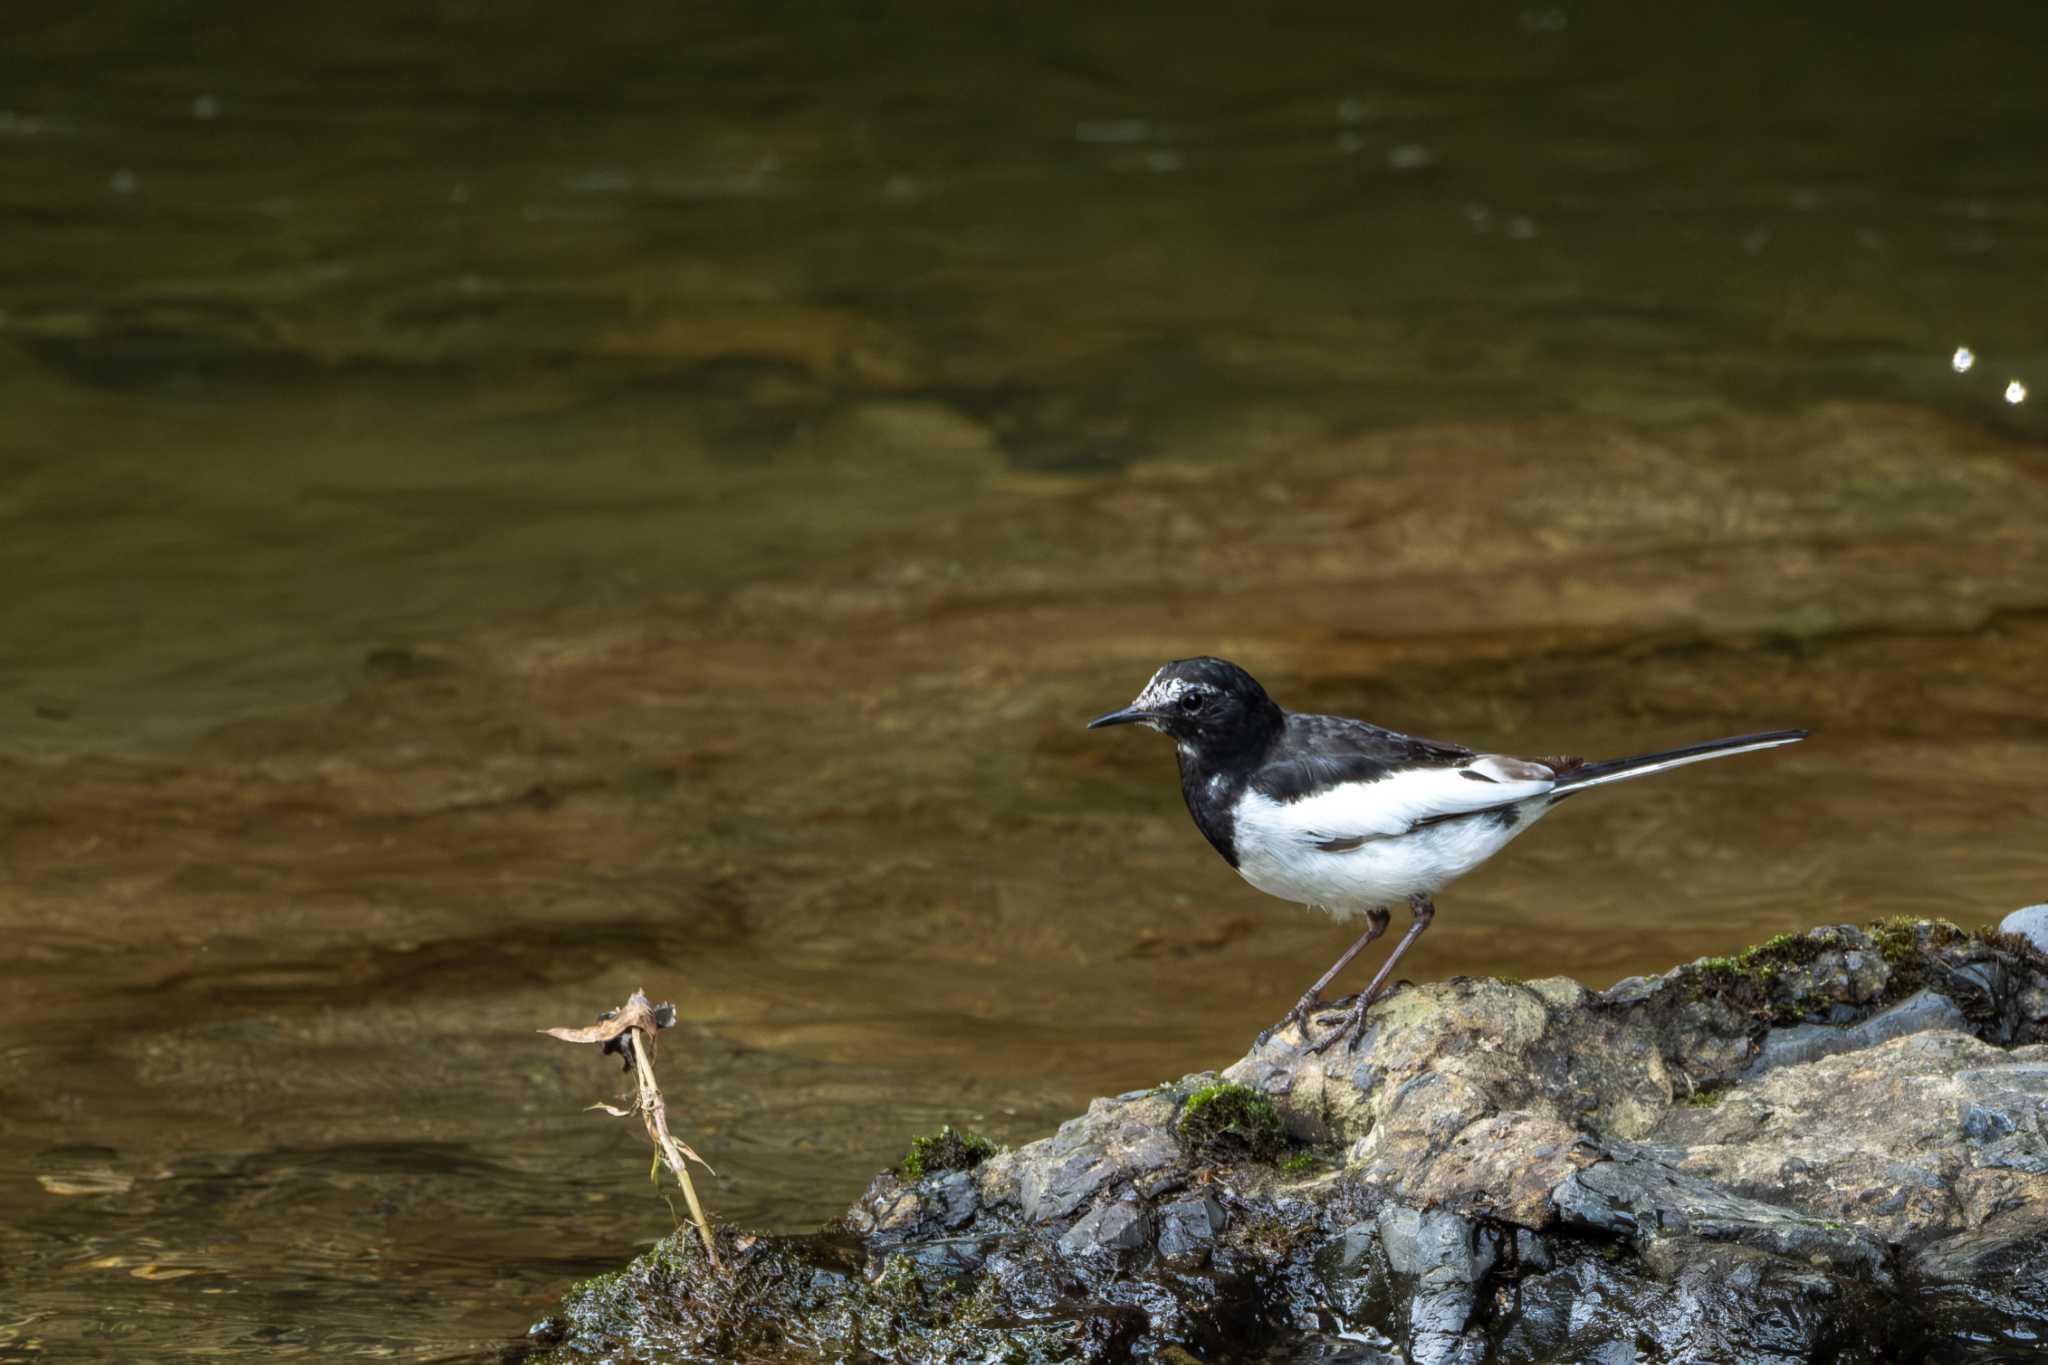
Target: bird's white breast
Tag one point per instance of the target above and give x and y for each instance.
(1277, 848)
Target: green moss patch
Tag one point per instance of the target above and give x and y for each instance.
(1762, 965)
(1748, 978)
(946, 1150)
(1904, 942)
(1231, 1123)
(1768, 982)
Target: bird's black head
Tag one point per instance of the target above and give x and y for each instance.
(1209, 705)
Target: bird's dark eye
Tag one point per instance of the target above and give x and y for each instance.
(1191, 701)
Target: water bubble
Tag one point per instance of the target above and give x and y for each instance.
(124, 181)
(1962, 360)
(206, 107)
(1410, 156)
(2015, 393)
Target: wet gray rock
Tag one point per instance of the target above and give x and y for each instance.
(1115, 1140)
(1638, 1196)
(1990, 1284)
(1706, 1301)
(1929, 1010)
(1531, 1250)
(1188, 1226)
(1833, 1147)
(1121, 1226)
(1448, 1258)
(1352, 1267)
(953, 1198)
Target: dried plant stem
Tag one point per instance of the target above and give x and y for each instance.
(630, 1029)
(654, 1113)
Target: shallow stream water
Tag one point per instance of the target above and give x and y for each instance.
(500, 506)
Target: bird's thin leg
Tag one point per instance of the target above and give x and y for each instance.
(1353, 1023)
(1309, 1003)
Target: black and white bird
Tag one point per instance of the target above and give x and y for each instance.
(1350, 818)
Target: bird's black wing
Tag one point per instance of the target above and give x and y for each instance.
(1314, 753)
(1340, 783)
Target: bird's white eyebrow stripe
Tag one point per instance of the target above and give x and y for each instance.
(1160, 692)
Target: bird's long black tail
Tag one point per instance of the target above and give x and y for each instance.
(1642, 765)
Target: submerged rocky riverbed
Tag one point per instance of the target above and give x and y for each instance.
(1832, 1147)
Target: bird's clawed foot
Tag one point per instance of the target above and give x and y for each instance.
(1351, 1027)
(1303, 1008)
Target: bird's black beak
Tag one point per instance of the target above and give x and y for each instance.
(1124, 717)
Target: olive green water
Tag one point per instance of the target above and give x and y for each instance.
(500, 505)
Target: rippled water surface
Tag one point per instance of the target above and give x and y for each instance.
(500, 505)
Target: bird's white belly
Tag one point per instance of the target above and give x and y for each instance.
(1381, 871)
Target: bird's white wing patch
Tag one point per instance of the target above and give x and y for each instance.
(1354, 812)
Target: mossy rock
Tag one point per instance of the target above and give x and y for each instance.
(1759, 967)
(946, 1150)
(1796, 978)
(797, 1298)
(1904, 941)
(975, 1270)
(1231, 1123)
